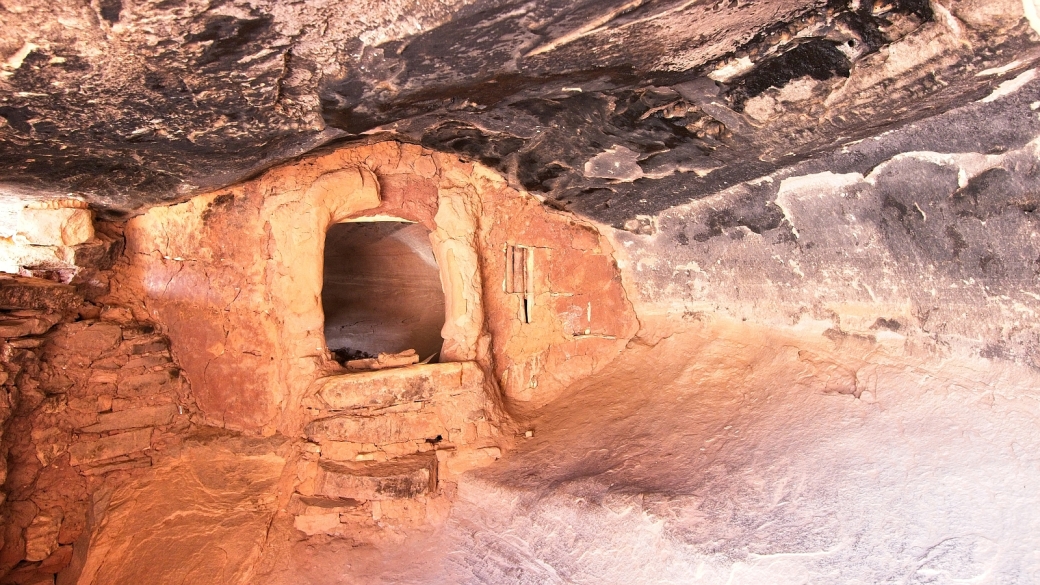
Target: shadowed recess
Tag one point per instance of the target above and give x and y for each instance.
(382, 290)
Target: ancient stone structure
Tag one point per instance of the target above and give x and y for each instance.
(721, 292)
(188, 299)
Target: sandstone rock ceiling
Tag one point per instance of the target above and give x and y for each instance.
(604, 107)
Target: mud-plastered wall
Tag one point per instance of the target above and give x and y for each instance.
(561, 323)
(234, 278)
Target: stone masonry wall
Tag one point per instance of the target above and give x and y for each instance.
(90, 394)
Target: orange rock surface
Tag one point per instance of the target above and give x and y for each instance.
(234, 278)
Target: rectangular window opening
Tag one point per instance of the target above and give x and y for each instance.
(519, 281)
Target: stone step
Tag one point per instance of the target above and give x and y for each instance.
(385, 388)
(311, 505)
(402, 478)
(429, 401)
(378, 430)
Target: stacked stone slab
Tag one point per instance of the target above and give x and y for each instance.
(51, 237)
(125, 384)
(28, 309)
(88, 392)
(386, 440)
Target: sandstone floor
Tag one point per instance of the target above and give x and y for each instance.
(723, 454)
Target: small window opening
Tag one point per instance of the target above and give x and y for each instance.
(519, 268)
(382, 291)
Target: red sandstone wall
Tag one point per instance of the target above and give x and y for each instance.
(574, 271)
(234, 278)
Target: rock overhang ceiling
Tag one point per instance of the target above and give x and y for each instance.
(609, 109)
(829, 252)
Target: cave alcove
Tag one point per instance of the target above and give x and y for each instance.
(382, 291)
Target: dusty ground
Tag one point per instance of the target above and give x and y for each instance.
(723, 454)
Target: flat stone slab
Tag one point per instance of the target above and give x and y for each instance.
(35, 293)
(133, 418)
(405, 477)
(384, 388)
(378, 430)
(311, 505)
(23, 327)
(145, 384)
(312, 524)
(110, 447)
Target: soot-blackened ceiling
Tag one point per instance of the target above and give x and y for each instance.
(612, 109)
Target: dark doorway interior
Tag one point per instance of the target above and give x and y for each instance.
(382, 290)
